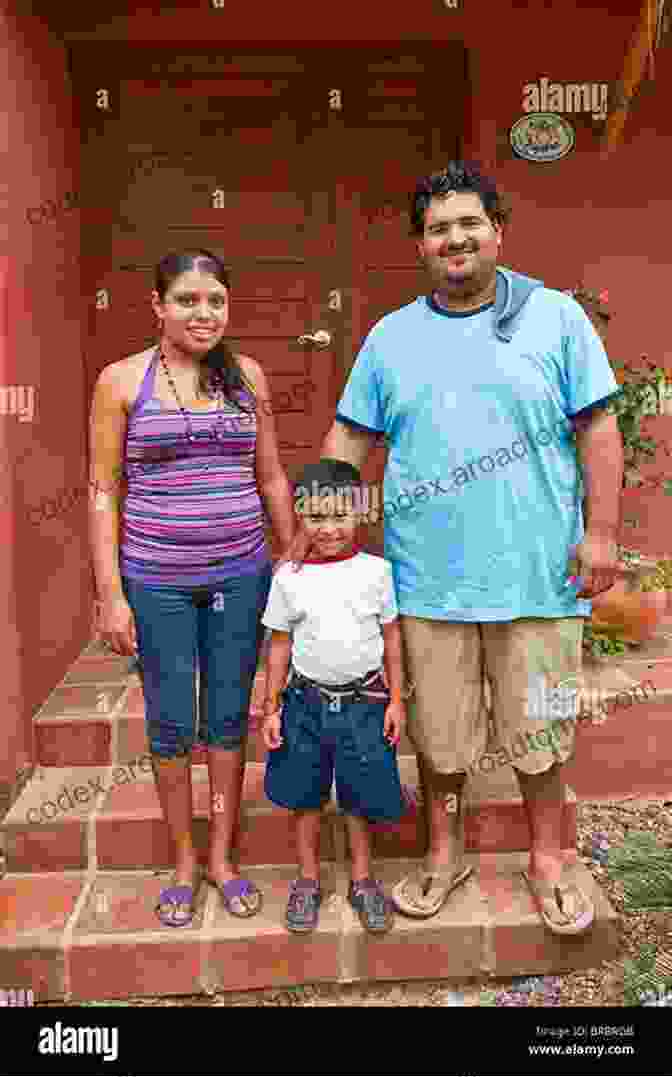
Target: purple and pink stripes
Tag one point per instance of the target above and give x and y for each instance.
(192, 515)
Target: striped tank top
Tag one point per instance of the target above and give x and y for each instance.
(192, 515)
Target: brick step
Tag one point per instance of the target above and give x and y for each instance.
(53, 827)
(92, 937)
(96, 717)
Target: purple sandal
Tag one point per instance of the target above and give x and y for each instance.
(238, 889)
(174, 896)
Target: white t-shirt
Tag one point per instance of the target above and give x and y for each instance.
(334, 612)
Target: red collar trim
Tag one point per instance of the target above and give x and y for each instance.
(330, 560)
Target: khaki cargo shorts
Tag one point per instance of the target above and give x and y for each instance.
(512, 667)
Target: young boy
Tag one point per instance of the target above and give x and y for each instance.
(334, 615)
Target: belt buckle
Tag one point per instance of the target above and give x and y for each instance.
(334, 702)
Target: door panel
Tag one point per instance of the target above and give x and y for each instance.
(311, 200)
(399, 146)
(249, 142)
(397, 130)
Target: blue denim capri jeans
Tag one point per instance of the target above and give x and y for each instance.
(216, 630)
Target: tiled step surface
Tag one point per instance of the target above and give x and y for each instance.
(94, 936)
(110, 818)
(90, 818)
(103, 810)
(96, 716)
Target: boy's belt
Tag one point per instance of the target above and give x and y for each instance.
(370, 686)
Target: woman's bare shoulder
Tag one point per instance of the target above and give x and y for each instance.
(125, 375)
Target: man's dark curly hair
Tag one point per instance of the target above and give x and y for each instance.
(464, 177)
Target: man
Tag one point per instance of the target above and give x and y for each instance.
(463, 383)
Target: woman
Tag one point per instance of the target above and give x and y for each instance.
(188, 426)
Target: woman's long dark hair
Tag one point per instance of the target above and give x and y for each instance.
(219, 367)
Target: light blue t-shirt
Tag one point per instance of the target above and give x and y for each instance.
(483, 489)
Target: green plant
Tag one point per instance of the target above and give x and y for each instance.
(660, 577)
(488, 998)
(645, 869)
(642, 392)
(640, 977)
(636, 400)
(629, 557)
(655, 581)
(665, 568)
(601, 645)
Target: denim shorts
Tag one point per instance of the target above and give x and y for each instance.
(216, 630)
(318, 742)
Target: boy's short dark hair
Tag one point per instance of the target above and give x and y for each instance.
(323, 481)
(334, 475)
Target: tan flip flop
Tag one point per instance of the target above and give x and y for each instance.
(423, 894)
(565, 909)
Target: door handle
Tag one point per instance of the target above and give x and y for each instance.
(321, 338)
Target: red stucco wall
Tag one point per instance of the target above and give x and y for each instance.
(44, 563)
(608, 221)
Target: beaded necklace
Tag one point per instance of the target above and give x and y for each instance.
(213, 434)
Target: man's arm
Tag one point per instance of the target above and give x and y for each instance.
(600, 449)
(349, 443)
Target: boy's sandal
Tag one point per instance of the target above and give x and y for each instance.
(374, 908)
(169, 907)
(240, 896)
(565, 909)
(424, 894)
(303, 906)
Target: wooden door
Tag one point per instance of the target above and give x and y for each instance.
(306, 202)
(401, 121)
(222, 164)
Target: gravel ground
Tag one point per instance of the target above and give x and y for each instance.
(601, 986)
